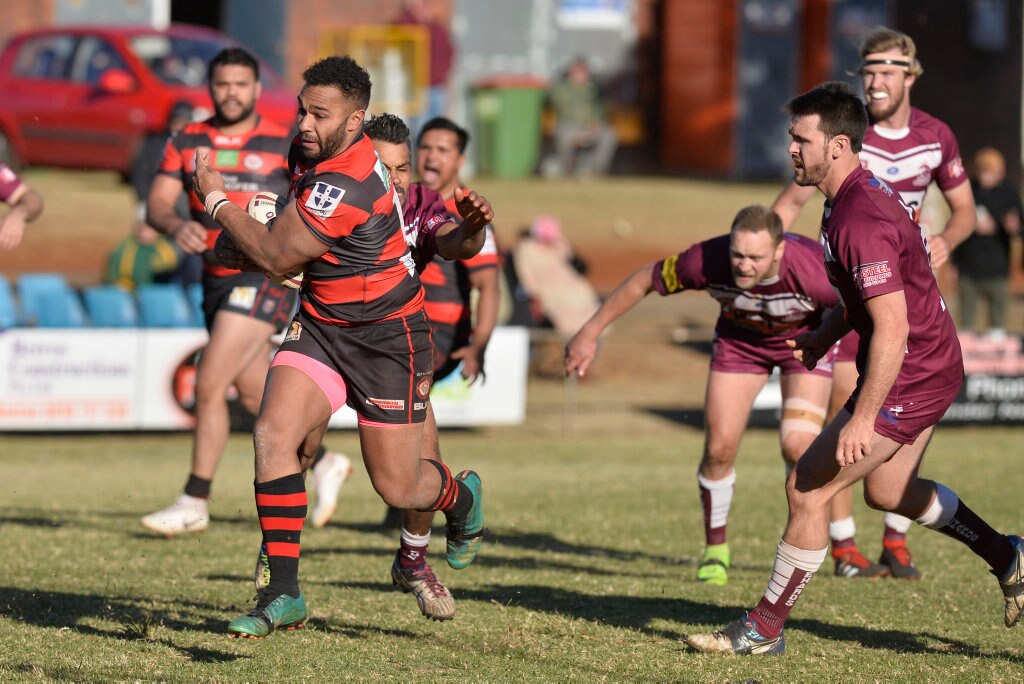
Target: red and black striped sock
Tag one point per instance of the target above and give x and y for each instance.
(281, 505)
(454, 498)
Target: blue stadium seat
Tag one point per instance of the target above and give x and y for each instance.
(32, 287)
(195, 298)
(164, 306)
(60, 309)
(109, 306)
(8, 311)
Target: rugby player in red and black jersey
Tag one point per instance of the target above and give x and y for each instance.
(430, 231)
(908, 149)
(360, 337)
(910, 371)
(242, 310)
(458, 340)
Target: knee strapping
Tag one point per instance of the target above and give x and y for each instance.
(941, 510)
(801, 415)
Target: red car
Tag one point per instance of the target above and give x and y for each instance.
(86, 96)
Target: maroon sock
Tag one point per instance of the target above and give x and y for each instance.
(410, 556)
(893, 537)
(712, 535)
(842, 546)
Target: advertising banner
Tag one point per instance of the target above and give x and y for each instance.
(144, 379)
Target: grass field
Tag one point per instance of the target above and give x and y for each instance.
(592, 509)
(586, 575)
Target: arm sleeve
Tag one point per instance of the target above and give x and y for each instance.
(683, 271)
(487, 257)
(950, 173)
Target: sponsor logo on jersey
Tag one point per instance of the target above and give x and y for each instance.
(387, 404)
(253, 162)
(871, 275)
(227, 140)
(294, 332)
(419, 406)
(268, 306)
(242, 297)
(324, 199)
(423, 388)
(881, 185)
(955, 168)
(892, 170)
(226, 158)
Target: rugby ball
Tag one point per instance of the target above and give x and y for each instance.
(264, 207)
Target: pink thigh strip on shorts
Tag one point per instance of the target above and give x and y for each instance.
(373, 423)
(324, 376)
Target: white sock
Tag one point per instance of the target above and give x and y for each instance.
(899, 523)
(721, 498)
(789, 558)
(839, 530)
(410, 539)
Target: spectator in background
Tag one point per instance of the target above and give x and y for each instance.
(25, 205)
(584, 140)
(442, 54)
(142, 258)
(983, 259)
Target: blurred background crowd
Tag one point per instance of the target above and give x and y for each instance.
(552, 88)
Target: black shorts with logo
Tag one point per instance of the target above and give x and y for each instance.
(388, 367)
(250, 294)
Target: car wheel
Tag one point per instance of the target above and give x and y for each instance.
(7, 154)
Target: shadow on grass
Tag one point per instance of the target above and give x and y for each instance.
(55, 609)
(636, 613)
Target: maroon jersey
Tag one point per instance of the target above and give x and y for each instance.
(783, 307)
(909, 159)
(367, 273)
(9, 182)
(873, 247)
(424, 214)
(249, 163)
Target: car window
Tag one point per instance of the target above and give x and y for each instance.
(46, 57)
(182, 61)
(94, 57)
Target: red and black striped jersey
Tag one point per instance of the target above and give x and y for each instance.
(367, 273)
(446, 283)
(251, 162)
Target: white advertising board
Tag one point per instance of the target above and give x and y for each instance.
(105, 379)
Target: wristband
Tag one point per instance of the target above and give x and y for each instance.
(217, 207)
(212, 199)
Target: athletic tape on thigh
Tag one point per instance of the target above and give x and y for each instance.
(325, 377)
(801, 415)
(942, 509)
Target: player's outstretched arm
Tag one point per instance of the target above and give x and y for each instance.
(465, 240)
(287, 246)
(581, 349)
(959, 227)
(790, 201)
(485, 282)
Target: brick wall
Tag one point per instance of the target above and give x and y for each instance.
(21, 15)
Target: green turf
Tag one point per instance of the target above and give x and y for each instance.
(587, 574)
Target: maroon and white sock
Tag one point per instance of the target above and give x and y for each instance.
(841, 533)
(716, 499)
(896, 527)
(792, 571)
(951, 516)
(412, 552)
